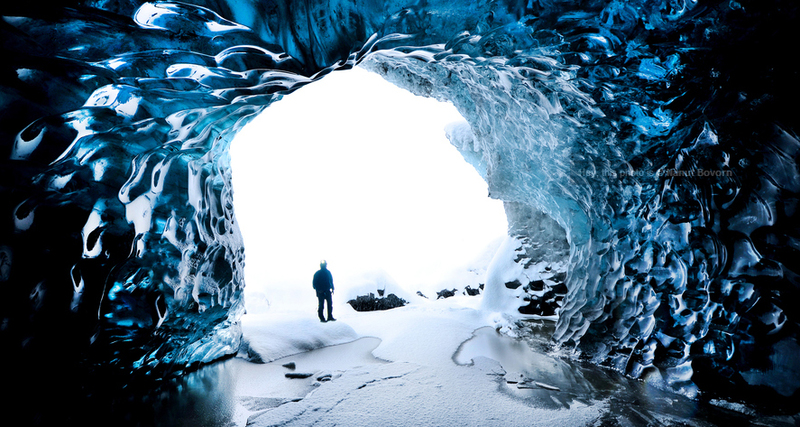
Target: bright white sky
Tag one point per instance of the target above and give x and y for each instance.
(356, 171)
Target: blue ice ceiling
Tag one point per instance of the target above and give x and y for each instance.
(661, 135)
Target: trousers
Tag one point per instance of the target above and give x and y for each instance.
(322, 298)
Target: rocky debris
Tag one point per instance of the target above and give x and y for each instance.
(545, 295)
(298, 375)
(372, 303)
(544, 298)
(446, 293)
(469, 290)
(536, 285)
(319, 376)
(515, 377)
(543, 253)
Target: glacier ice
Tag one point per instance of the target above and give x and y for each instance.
(659, 135)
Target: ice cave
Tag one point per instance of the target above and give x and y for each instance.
(660, 135)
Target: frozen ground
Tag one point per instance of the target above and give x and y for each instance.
(432, 363)
(408, 376)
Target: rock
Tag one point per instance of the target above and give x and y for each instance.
(445, 293)
(290, 365)
(372, 303)
(537, 285)
(471, 291)
(420, 294)
(515, 378)
(324, 376)
(298, 375)
(513, 285)
(544, 297)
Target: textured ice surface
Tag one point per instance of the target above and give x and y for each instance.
(660, 135)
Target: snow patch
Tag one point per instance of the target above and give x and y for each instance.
(279, 334)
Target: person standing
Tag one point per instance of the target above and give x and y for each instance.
(323, 284)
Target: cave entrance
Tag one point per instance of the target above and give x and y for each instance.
(357, 171)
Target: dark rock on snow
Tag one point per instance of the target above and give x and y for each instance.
(471, 291)
(298, 375)
(372, 303)
(445, 293)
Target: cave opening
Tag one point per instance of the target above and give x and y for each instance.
(369, 181)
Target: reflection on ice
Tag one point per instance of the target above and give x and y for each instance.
(222, 394)
(205, 397)
(524, 385)
(548, 381)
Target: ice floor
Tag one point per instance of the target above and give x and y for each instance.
(404, 376)
(438, 363)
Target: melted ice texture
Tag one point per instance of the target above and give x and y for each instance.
(655, 133)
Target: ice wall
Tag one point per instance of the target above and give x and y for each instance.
(657, 134)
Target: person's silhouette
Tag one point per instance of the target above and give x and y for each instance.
(323, 284)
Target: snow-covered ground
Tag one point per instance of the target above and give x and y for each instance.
(407, 376)
(430, 363)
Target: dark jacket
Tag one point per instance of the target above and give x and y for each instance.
(323, 281)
